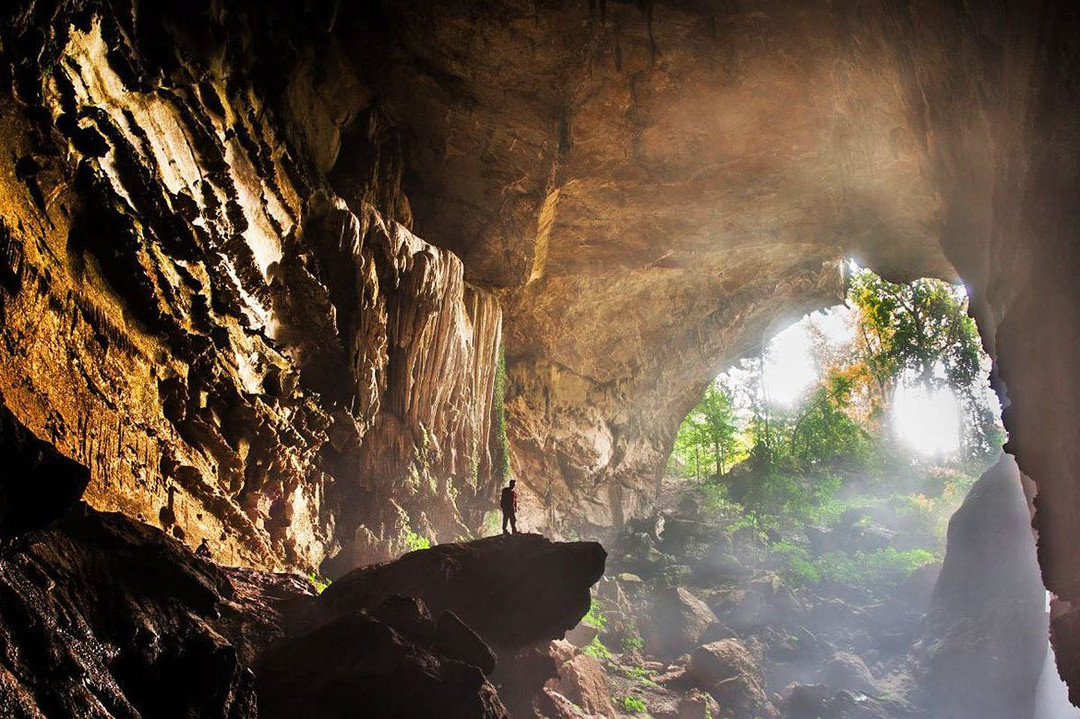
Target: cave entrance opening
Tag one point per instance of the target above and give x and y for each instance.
(805, 511)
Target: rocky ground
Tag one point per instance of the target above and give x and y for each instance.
(105, 617)
(695, 619)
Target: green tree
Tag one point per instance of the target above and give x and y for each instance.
(920, 328)
(824, 432)
(707, 438)
(921, 331)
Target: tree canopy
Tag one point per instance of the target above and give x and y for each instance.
(917, 333)
(920, 329)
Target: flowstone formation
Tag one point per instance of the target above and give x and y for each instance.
(235, 350)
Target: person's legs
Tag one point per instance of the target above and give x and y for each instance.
(513, 523)
(506, 518)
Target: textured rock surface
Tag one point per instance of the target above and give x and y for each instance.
(103, 616)
(727, 670)
(518, 592)
(360, 665)
(106, 617)
(584, 681)
(514, 590)
(234, 350)
(646, 187)
(986, 632)
(678, 621)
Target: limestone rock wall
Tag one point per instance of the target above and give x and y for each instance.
(216, 298)
(985, 637)
(236, 347)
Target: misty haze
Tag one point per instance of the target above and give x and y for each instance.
(539, 359)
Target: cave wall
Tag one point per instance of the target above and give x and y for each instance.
(231, 236)
(677, 179)
(237, 347)
(673, 180)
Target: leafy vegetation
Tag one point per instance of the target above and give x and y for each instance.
(594, 617)
(320, 583)
(632, 641)
(414, 541)
(633, 705)
(708, 439)
(597, 650)
(777, 474)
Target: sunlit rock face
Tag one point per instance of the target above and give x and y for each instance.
(653, 185)
(229, 240)
(668, 186)
(233, 348)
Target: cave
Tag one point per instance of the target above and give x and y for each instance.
(289, 291)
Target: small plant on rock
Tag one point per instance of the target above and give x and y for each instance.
(632, 641)
(597, 650)
(633, 705)
(414, 541)
(320, 583)
(595, 617)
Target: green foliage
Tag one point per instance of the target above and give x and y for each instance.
(707, 440)
(492, 523)
(633, 705)
(880, 568)
(414, 541)
(921, 327)
(876, 571)
(921, 330)
(594, 617)
(800, 563)
(774, 474)
(632, 641)
(824, 432)
(320, 583)
(597, 650)
(788, 492)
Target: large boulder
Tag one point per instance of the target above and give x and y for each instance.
(514, 590)
(358, 665)
(697, 704)
(728, 671)
(848, 671)
(677, 622)
(584, 681)
(987, 629)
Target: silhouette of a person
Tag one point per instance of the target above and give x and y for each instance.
(203, 550)
(508, 503)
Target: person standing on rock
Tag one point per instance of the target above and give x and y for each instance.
(509, 507)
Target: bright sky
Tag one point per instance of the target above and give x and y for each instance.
(928, 422)
(789, 366)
